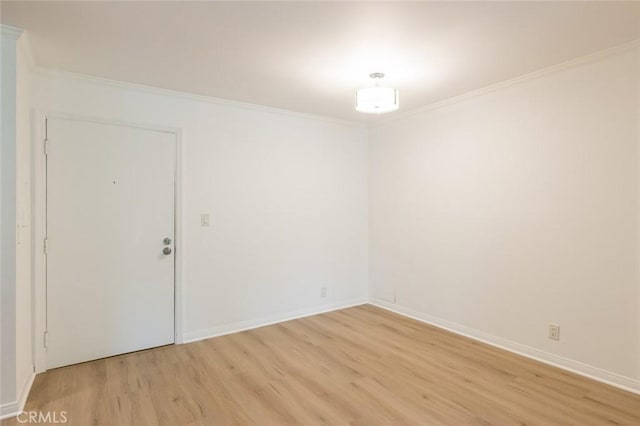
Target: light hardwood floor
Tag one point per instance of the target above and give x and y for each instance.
(361, 365)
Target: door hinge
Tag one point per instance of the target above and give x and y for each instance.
(45, 339)
(46, 136)
(45, 245)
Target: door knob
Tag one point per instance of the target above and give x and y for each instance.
(167, 241)
(167, 250)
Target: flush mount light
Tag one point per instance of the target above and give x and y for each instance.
(377, 99)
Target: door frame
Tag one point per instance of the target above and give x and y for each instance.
(39, 226)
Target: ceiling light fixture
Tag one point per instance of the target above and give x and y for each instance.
(377, 99)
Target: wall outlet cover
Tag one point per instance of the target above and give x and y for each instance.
(554, 332)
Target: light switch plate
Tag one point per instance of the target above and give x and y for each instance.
(204, 219)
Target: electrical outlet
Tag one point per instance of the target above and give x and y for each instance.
(554, 332)
(323, 292)
(204, 219)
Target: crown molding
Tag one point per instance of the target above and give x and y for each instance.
(11, 32)
(99, 81)
(582, 60)
(593, 57)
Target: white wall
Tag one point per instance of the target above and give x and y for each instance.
(16, 357)
(506, 211)
(24, 335)
(7, 216)
(287, 195)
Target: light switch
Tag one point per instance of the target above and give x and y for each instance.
(204, 219)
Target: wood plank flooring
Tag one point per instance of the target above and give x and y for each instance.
(360, 366)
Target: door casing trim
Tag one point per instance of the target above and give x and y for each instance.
(39, 220)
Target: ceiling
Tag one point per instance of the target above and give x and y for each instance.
(311, 57)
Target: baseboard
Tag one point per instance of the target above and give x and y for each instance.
(14, 408)
(194, 336)
(604, 376)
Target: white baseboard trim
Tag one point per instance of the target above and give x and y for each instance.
(221, 330)
(12, 409)
(604, 376)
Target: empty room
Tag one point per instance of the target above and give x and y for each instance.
(300, 213)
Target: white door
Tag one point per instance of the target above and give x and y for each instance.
(110, 207)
